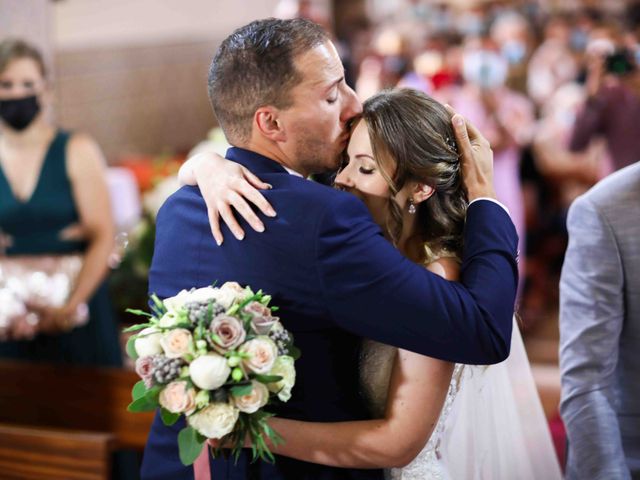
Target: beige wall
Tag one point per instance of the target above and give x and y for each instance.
(30, 20)
(133, 73)
(99, 23)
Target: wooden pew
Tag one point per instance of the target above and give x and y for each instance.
(36, 454)
(72, 398)
(63, 422)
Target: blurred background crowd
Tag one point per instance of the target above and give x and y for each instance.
(552, 84)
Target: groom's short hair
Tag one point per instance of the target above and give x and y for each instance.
(254, 67)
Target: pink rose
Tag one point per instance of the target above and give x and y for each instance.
(262, 354)
(176, 342)
(253, 401)
(144, 369)
(177, 398)
(262, 320)
(230, 333)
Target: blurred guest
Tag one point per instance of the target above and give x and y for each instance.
(386, 66)
(504, 116)
(552, 64)
(613, 103)
(512, 34)
(54, 201)
(600, 331)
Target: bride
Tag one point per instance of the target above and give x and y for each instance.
(431, 419)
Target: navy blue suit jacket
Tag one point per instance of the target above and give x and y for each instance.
(336, 280)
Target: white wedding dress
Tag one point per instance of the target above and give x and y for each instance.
(492, 426)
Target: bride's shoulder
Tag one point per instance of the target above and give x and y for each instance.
(447, 267)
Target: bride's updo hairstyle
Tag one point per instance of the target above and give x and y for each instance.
(412, 132)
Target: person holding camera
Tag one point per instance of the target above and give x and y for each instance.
(613, 104)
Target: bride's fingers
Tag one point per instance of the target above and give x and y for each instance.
(254, 180)
(245, 211)
(255, 197)
(214, 222)
(231, 222)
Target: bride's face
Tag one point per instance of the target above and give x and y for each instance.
(362, 176)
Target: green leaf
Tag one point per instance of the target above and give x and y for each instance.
(168, 418)
(139, 390)
(153, 393)
(159, 305)
(135, 328)
(267, 378)
(138, 312)
(240, 390)
(190, 445)
(294, 352)
(142, 404)
(131, 349)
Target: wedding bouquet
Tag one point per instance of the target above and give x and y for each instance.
(217, 356)
(29, 283)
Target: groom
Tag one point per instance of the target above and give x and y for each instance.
(278, 90)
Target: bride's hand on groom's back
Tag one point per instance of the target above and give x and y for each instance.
(225, 184)
(476, 157)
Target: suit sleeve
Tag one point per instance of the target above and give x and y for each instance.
(591, 319)
(373, 291)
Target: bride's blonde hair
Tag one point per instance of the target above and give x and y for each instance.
(413, 132)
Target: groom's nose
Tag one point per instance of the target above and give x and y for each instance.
(351, 107)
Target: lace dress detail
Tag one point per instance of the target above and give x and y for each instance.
(376, 364)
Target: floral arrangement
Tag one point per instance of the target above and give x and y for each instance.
(29, 284)
(218, 356)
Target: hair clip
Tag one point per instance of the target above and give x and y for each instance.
(452, 144)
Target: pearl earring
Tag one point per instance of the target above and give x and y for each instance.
(412, 207)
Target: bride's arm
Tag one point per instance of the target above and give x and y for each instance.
(417, 390)
(225, 184)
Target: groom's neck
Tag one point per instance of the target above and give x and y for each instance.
(273, 152)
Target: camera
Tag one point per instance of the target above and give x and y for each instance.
(620, 62)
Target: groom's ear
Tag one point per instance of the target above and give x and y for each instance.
(422, 192)
(269, 125)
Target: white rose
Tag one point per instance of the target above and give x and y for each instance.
(284, 368)
(262, 353)
(228, 293)
(176, 343)
(210, 371)
(178, 301)
(214, 421)
(253, 401)
(148, 342)
(169, 319)
(203, 295)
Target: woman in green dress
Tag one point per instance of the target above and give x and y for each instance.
(53, 201)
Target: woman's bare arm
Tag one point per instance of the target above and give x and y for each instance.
(225, 184)
(417, 391)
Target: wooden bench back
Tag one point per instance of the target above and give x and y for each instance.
(36, 454)
(72, 398)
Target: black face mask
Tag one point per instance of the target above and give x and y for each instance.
(19, 113)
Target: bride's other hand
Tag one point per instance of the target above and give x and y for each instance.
(476, 158)
(225, 184)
